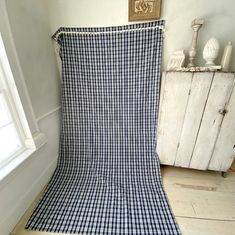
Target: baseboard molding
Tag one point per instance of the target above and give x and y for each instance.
(13, 216)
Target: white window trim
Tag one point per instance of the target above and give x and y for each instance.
(24, 115)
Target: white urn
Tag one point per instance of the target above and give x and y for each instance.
(211, 51)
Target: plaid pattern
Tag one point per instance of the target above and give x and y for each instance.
(108, 181)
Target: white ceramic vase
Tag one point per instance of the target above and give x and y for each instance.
(211, 51)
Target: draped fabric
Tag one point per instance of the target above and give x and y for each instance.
(107, 181)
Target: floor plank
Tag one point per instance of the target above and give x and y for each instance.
(202, 204)
(202, 201)
(191, 226)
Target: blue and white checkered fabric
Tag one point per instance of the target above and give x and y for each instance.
(108, 181)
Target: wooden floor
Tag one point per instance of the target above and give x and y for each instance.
(202, 201)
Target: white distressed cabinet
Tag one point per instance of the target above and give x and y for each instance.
(196, 124)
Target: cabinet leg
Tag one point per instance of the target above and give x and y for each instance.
(224, 174)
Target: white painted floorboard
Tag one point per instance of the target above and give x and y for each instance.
(202, 201)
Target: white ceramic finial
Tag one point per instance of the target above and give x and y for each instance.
(211, 51)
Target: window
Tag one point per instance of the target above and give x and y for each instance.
(10, 141)
(16, 140)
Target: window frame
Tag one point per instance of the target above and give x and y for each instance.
(22, 113)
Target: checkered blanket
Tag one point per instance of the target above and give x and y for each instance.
(108, 181)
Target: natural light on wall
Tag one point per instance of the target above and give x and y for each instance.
(9, 138)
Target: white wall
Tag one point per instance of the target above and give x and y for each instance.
(219, 19)
(31, 32)
(33, 22)
(24, 26)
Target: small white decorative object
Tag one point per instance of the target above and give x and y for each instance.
(226, 57)
(176, 60)
(211, 51)
(196, 25)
